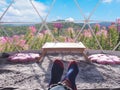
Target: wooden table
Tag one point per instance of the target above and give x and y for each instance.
(66, 46)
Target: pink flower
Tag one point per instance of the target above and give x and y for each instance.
(32, 29)
(5, 40)
(67, 39)
(97, 25)
(118, 20)
(70, 30)
(45, 32)
(22, 43)
(112, 27)
(104, 28)
(87, 33)
(1, 48)
(113, 23)
(104, 32)
(58, 25)
(118, 27)
(16, 38)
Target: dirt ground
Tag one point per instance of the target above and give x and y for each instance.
(36, 76)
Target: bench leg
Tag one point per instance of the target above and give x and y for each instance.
(86, 57)
(42, 56)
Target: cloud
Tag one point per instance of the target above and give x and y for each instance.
(107, 1)
(3, 3)
(70, 19)
(22, 10)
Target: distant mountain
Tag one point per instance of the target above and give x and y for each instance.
(105, 24)
(14, 25)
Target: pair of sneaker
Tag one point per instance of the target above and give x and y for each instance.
(57, 71)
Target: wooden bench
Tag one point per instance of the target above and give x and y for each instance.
(61, 47)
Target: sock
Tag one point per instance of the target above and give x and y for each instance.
(56, 72)
(71, 74)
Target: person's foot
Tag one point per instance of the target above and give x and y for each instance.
(56, 72)
(71, 75)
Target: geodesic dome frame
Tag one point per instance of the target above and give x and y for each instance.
(86, 20)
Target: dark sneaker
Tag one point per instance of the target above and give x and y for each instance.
(71, 74)
(56, 72)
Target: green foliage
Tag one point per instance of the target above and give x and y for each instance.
(24, 37)
(113, 37)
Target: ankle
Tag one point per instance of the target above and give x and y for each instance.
(67, 83)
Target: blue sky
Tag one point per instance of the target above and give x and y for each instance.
(22, 10)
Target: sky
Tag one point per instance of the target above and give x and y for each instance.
(70, 10)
